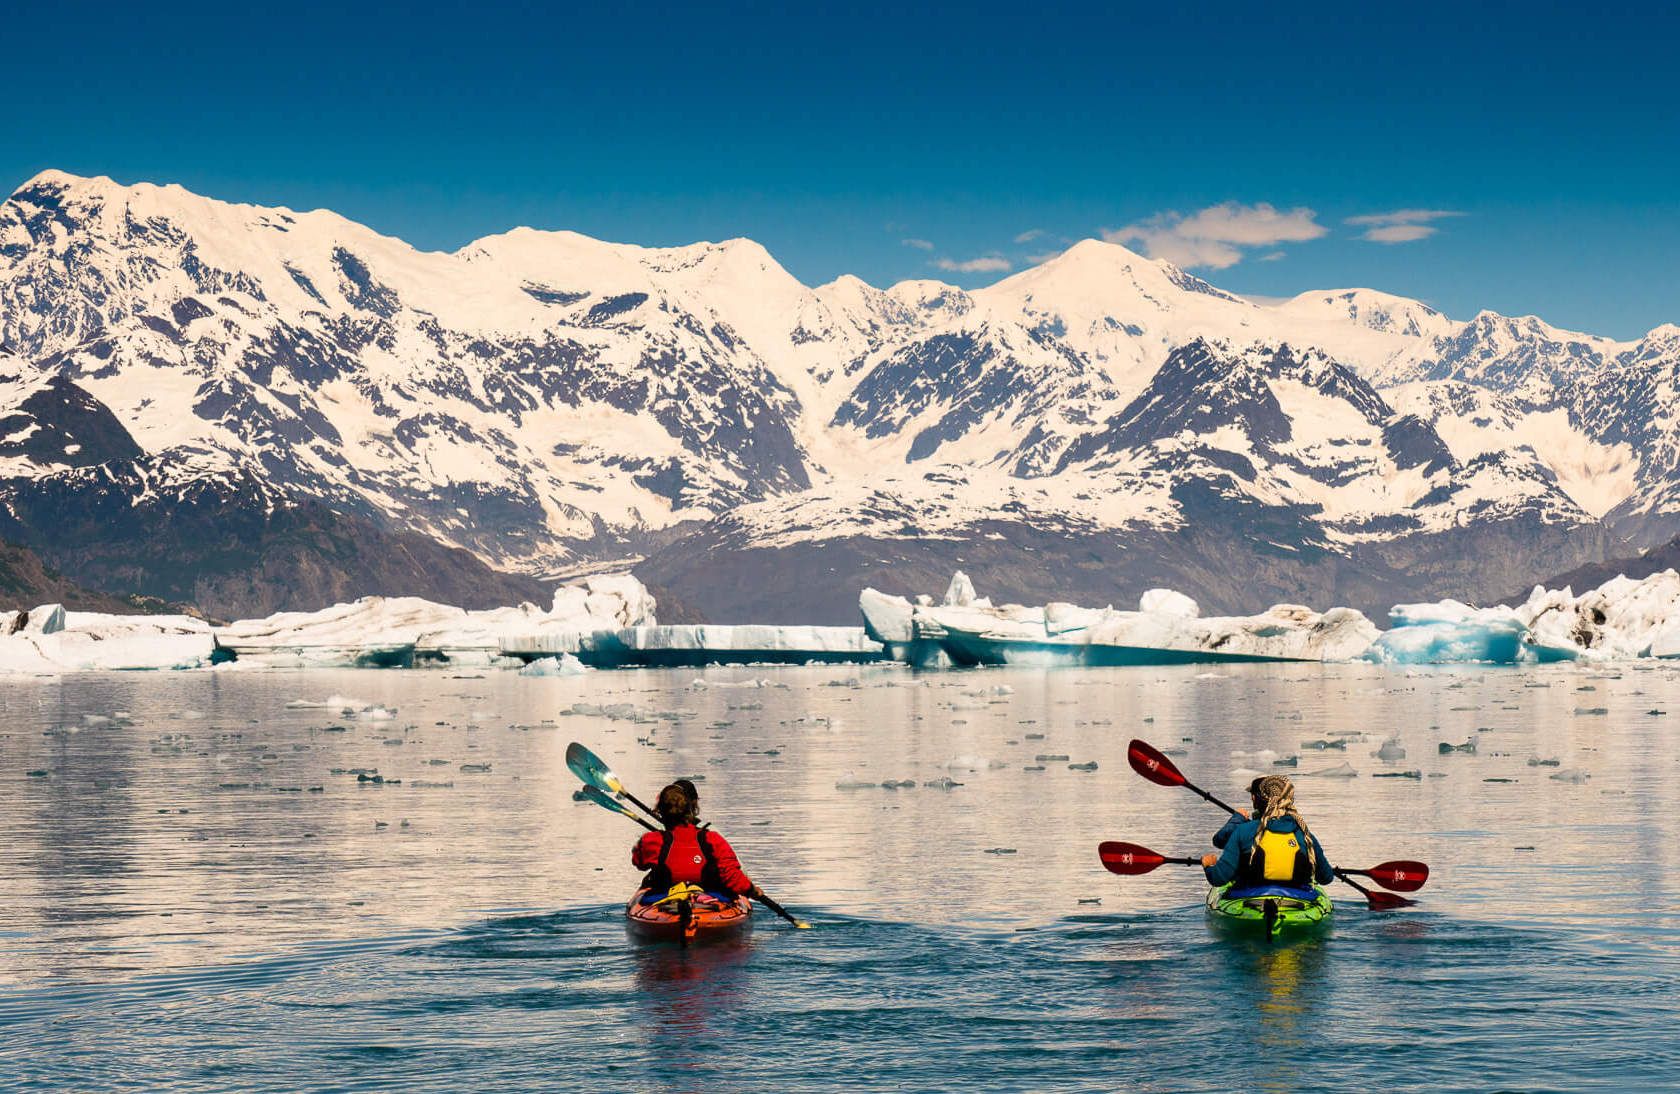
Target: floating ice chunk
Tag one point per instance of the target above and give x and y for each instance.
(1244, 773)
(946, 783)
(1340, 771)
(850, 781)
(969, 762)
(1571, 775)
(564, 665)
(1391, 751)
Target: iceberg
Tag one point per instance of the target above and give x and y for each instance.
(49, 640)
(1619, 620)
(1449, 631)
(398, 632)
(716, 644)
(1167, 628)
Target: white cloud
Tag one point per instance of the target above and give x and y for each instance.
(1216, 236)
(1400, 225)
(1399, 233)
(919, 244)
(983, 264)
(1029, 235)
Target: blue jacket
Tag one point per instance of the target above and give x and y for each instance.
(1237, 839)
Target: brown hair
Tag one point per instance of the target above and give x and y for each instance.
(675, 806)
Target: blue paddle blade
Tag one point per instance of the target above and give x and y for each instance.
(606, 801)
(588, 767)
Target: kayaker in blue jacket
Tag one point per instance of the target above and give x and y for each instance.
(1274, 848)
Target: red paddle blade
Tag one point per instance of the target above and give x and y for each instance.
(1387, 902)
(1128, 858)
(1403, 876)
(1152, 765)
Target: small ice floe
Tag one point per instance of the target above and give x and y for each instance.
(1048, 758)
(1397, 775)
(968, 762)
(1323, 745)
(564, 665)
(1535, 761)
(1571, 775)
(1581, 712)
(901, 784)
(1391, 751)
(1211, 676)
(946, 783)
(1262, 756)
(1468, 746)
(1287, 761)
(474, 769)
(1342, 770)
(851, 781)
(1089, 766)
(999, 851)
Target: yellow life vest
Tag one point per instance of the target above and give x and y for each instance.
(1281, 858)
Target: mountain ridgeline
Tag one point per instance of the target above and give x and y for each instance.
(255, 409)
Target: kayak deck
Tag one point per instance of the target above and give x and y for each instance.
(1272, 910)
(689, 919)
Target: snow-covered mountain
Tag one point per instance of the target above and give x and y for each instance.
(540, 402)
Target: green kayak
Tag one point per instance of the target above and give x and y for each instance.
(1272, 910)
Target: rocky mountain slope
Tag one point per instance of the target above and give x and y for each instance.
(259, 409)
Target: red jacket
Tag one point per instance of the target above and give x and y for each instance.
(687, 860)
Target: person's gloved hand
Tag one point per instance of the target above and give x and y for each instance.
(1210, 858)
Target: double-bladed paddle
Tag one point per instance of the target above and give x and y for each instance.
(1407, 876)
(1130, 859)
(600, 782)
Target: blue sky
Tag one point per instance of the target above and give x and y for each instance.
(1242, 144)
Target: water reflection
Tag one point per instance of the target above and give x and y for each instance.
(187, 840)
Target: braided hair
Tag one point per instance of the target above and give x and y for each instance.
(1274, 799)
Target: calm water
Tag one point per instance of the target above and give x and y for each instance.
(193, 898)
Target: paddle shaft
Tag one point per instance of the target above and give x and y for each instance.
(781, 911)
(1192, 787)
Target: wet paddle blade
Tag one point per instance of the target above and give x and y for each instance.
(1403, 876)
(765, 900)
(1128, 859)
(1387, 902)
(1152, 765)
(606, 801)
(591, 769)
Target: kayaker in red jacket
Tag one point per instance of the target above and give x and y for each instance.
(686, 852)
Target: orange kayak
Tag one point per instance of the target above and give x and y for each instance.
(687, 914)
